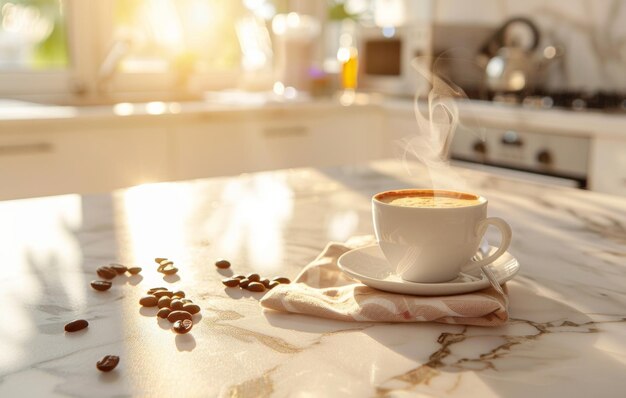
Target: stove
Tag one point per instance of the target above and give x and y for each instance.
(563, 155)
(603, 101)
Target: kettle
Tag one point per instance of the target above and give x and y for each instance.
(510, 59)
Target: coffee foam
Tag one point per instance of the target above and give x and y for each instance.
(429, 198)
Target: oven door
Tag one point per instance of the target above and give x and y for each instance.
(532, 154)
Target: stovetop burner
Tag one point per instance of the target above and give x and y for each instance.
(605, 101)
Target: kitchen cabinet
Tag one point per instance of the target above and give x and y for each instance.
(608, 166)
(212, 145)
(57, 157)
(50, 161)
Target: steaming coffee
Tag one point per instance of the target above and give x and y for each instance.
(431, 235)
(428, 198)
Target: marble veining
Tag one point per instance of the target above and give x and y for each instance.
(566, 335)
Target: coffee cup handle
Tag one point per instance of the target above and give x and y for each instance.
(506, 232)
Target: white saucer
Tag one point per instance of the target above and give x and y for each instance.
(369, 265)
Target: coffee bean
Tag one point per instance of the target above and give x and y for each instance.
(148, 301)
(223, 264)
(156, 289)
(256, 287)
(179, 293)
(178, 316)
(163, 293)
(186, 300)
(244, 283)
(231, 282)
(119, 268)
(191, 308)
(134, 270)
(101, 285)
(169, 270)
(239, 277)
(273, 284)
(182, 327)
(164, 302)
(106, 272)
(254, 277)
(282, 279)
(176, 304)
(265, 282)
(76, 325)
(164, 312)
(159, 259)
(164, 264)
(108, 363)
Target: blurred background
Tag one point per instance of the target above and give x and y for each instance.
(248, 85)
(73, 50)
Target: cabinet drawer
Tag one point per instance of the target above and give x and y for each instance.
(50, 163)
(227, 147)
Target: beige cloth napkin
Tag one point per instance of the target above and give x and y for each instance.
(323, 290)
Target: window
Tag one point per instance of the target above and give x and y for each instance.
(33, 35)
(65, 50)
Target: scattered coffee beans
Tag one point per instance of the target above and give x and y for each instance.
(253, 282)
(178, 316)
(75, 326)
(134, 270)
(163, 264)
(106, 272)
(164, 312)
(108, 363)
(223, 264)
(169, 270)
(176, 304)
(255, 287)
(163, 293)
(101, 285)
(173, 307)
(119, 268)
(159, 259)
(149, 301)
(183, 326)
(231, 282)
(191, 308)
(164, 302)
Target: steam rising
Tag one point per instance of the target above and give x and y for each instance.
(437, 116)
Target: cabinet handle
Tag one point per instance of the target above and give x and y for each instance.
(25, 149)
(277, 132)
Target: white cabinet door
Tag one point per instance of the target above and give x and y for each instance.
(275, 139)
(54, 161)
(608, 166)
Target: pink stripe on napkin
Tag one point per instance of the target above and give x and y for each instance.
(323, 290)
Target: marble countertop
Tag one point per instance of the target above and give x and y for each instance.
(566, 335)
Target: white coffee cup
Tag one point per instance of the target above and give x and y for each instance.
(432, 241)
